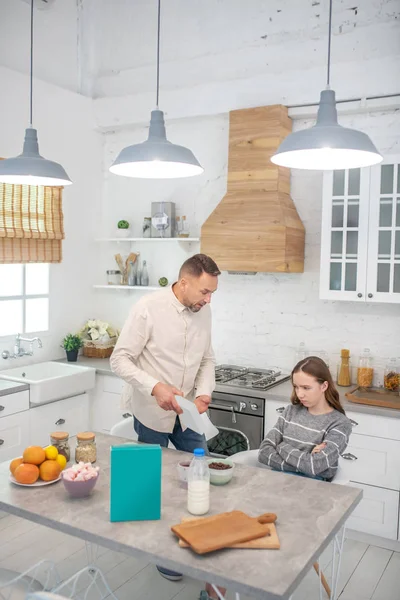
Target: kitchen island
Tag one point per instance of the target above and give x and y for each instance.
(310, 513)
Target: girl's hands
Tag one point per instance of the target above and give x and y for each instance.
(318, 448)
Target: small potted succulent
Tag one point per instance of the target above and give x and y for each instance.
(123, 228)
(71, 344)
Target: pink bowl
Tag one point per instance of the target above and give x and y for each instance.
(80, 489)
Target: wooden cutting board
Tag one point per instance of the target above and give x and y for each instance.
(223, 530)
(270, 541)
(374, 397)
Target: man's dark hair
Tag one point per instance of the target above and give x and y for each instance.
(198, 264)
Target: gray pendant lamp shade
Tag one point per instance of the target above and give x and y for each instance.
(327, 145)
(156, 158)
(29, 168)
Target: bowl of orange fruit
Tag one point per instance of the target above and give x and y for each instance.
(37, 466)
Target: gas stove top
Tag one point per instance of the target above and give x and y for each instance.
(248, 378)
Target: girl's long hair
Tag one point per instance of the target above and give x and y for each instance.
(317, 368)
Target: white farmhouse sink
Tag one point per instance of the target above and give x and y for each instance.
(51, 381)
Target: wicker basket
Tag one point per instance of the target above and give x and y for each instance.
(93, 350)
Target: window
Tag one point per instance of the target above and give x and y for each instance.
(24, 298)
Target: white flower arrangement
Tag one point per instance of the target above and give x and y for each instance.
(99, 332)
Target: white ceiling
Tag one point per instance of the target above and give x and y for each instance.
(106, 48)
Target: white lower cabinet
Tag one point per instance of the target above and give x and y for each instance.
(377, 513)
(105, 405)
(71, 414)
(378, 461)
(14, 435)
(105, 411)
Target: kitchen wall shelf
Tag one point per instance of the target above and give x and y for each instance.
(138, 239)
(129, 287)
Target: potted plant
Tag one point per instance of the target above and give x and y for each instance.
(71, 344)
(123, 228)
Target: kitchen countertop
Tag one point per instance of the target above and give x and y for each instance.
(279, 392)
(11, 387)
(102, 365)
(305, 528)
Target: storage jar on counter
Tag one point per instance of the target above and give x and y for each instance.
(86, 450)
(60, 440)
(344, 369)
(392, 376)
(365, 371)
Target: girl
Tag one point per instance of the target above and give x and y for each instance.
(313, 430)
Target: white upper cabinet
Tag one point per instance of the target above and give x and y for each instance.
(360, 237)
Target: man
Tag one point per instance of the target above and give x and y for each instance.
(164, 350)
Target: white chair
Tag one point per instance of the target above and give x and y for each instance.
(250, 458)
(125, 429)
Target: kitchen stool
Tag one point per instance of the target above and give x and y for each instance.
(250, 458)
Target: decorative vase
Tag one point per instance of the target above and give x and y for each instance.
(72, 355)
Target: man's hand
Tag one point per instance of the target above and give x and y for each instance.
(318, 448)
(202, 403)
(165, 396)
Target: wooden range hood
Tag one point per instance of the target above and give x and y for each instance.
(256, 227)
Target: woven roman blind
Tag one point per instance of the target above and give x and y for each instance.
(31, 224)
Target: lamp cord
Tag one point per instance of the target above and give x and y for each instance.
(158, 51)
(328, 75)
(31, 72)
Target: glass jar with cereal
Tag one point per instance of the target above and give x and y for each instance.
(85, 450)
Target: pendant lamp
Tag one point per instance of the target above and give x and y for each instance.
(156, 158)
(29, 168)
(327, 145)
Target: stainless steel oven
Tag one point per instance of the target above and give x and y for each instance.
(231, 412)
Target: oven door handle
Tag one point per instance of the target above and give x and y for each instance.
(227, 408)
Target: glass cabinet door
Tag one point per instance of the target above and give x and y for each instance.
(344, 235)
(383, 273)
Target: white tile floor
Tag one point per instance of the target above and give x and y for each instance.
(368, 572)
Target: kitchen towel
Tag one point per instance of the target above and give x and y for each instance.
(135, 482)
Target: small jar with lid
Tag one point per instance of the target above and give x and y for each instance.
(113, 277)
(85, 450)
(365, 371)
(392, 376)
(60, 440)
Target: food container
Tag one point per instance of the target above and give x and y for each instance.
(344, 369)
(221, 470)
(365, 371)
(183, 470)
(392, 376)
(60, 440)
(113, 277)
(86, 450)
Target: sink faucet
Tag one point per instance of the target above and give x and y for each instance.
(18, 351)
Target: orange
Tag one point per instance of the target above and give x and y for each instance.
(15, 463)
(26, 473)
(34, 455)
(49, 470)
